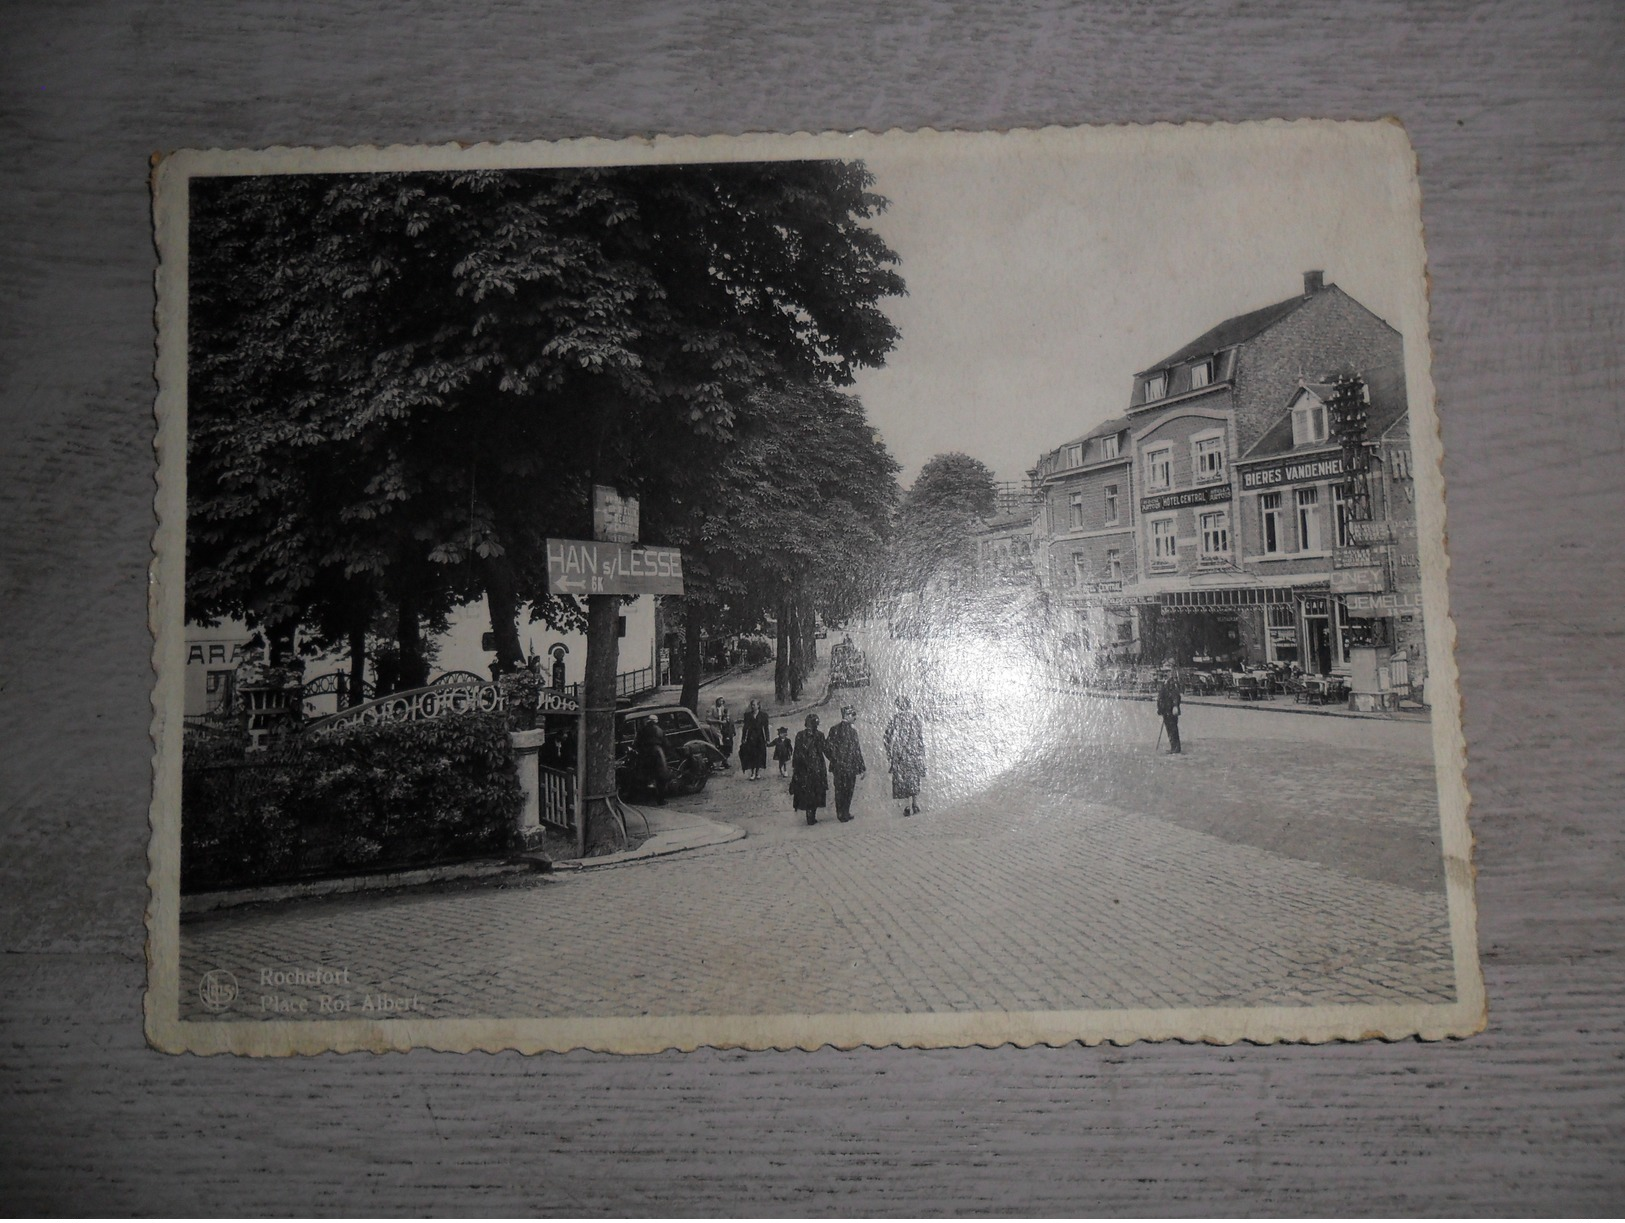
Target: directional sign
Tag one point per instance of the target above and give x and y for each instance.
(590, 567)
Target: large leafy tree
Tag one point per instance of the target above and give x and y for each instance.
(937, 520)
(403, 383)
(789, 522)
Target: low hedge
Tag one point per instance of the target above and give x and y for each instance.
(367, 798)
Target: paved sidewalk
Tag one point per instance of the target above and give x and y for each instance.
(670, 830)
(738, 687)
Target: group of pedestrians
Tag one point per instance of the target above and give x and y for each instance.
(810, 779)
(815, 760)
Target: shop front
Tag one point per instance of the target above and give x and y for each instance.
(1223, 628)
(1109, 622)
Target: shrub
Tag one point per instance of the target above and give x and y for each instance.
(366, 798)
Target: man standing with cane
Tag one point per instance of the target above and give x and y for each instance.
(1168, 710)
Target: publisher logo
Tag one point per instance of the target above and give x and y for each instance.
(218, 989)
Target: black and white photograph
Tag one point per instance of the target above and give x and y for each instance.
(924, 588)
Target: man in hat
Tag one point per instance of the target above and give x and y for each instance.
(845, 761)
(1168, 709)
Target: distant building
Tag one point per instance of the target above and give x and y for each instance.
(1090, 554)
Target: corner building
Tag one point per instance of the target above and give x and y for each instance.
(1357, 569)
(1192, 586)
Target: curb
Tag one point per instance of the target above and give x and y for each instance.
(1316, 711)
(696, 836)
(210, 902)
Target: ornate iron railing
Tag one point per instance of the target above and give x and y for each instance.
(333, 683)
(440, 699)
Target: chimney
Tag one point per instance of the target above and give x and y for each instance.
(1313, 282)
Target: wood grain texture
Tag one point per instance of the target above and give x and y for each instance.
(1517, 112)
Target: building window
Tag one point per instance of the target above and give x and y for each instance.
(1160, 468)
(1270, 505)
(1201, 375)
(219, 691)
(1114, 565)
(1340, 515)
(1164, 548)
(1283, 632)
(1308, 422)
(1111, 505)
(1156, 387)
(1309, 520)
(1080, 569)
(1108, 446)
(1075, 510)
(1074, 455)
(1207, 457)
(1216, 533)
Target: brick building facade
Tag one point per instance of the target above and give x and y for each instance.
(1211, 523)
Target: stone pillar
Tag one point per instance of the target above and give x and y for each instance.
(527, 744)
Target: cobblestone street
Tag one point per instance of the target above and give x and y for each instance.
(1060, 863)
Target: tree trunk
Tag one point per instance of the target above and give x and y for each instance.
(279, 643)
(414, 667)
(793, 646)
(598, 695)
(693, 661)
(358, 666)
(781, 654)
(502, 601)
(807, 622)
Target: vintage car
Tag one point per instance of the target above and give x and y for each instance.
(848, 668)
(692, 747)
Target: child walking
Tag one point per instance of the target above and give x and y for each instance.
(782, 749)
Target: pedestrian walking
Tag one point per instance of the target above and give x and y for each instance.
(905, 749)
(723, 724)
(809, 779)
(845, 761)
(753, 731)
(782, 750)
(653, 757)
(1168, 709)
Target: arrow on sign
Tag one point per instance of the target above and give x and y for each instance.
(568, 584)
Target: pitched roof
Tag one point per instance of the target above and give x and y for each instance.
(1231, 332)
(1386, 385)
(1104, 429)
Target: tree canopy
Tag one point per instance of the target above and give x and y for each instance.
(937, 519)
(402, 383)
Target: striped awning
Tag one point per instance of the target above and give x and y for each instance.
(1235, 596)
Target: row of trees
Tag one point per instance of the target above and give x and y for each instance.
(402, 384)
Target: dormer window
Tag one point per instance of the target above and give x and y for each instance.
(1308, 421)
(1201, 374)
(1156, 387)
(1074, 455)
(1108, 446)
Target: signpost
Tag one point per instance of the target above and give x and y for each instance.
(614, 517)
(592, 567)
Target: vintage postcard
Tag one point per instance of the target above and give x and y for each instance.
(919, 589)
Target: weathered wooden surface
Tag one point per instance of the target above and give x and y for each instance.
(1518, 115)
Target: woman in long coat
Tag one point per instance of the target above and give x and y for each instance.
(809, 779)
(753, 732)
(905, 748)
